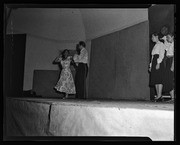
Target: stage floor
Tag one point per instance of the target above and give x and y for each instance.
(104, 103)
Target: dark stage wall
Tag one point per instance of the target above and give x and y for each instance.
(159, 16)
(119, 64)
(13, 64)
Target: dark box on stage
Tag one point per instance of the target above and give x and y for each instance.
(44, 82)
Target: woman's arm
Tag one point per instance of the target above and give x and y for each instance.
(172, 66)
(161, 54)
(57, 59)
(73, 63)
(76, 58)
(150, 65)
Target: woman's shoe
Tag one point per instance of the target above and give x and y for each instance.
(170, 101)
(158, 99)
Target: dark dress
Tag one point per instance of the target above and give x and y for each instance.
(156, 76)
(80, 80)
(168, 83)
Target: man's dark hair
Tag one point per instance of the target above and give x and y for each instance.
(77, 49)
(82, 43)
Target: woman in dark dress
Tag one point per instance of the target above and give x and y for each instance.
(169, 65)
(156, 67)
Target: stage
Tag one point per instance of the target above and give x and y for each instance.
(73, 117)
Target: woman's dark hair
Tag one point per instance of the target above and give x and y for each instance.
(171, 34)
(156, 34)
(82, 43)
(63, 53)
(164, 30)
(77, 49)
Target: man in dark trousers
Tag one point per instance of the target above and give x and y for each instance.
(81, 71)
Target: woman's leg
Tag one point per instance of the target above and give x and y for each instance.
(66, 95)
(159, 90)
(172, 94)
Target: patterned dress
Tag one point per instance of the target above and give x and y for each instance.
(66, 82)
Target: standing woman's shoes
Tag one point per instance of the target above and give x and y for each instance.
(171, 100)
(158, 99)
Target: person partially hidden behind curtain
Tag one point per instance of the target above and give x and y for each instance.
(66, 83)
(156, 67)
(168, 85)
(81, 71)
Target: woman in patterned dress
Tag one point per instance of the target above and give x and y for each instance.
(66, 83)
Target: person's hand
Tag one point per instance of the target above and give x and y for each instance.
(172, 68)
(163, 38)
(149, 69)
(157, 66)
(75, 57)
(72, 60)
(59, 58)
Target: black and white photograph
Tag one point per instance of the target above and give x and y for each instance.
(89, 72)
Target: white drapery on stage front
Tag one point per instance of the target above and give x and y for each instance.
(56, 117)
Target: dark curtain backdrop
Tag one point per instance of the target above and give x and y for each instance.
(119, 64)
(13, 64)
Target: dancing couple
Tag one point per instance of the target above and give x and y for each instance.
(66, 84)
